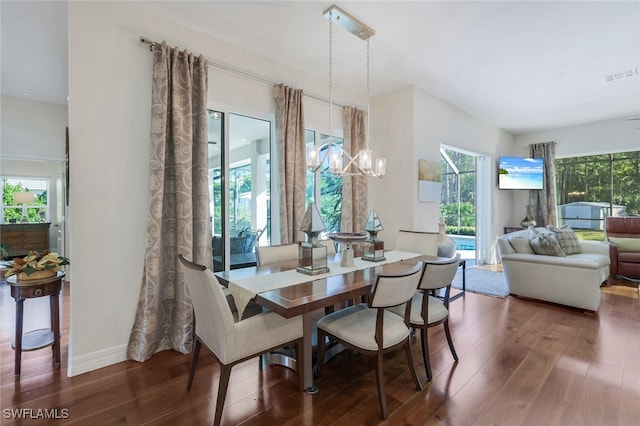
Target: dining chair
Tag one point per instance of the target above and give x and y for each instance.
(428, 309)
(228, 341)
(373, 330)
(270, 255)
(425, 243)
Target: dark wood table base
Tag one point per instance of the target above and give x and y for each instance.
(36, 339)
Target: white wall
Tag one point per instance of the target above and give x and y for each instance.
(110, 97)
(33, 136)
(32, 130)
(588, 139)
(411, 124)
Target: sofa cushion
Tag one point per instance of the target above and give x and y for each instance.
(567, 239)
(545, 243)
(520, 243)
(626, 244)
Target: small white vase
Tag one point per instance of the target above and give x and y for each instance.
(446, 244)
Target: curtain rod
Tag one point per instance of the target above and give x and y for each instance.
(243, 73)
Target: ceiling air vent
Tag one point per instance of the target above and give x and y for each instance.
(622, 74)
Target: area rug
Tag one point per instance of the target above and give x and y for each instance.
(483, 282)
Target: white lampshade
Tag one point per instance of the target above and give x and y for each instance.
(24, 197)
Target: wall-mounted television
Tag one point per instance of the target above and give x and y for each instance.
(520, 173)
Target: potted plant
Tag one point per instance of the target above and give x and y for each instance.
(36, 265)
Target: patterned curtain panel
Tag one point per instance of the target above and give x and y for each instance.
(178, 218)
(354, 188)
(293, 157)
(543, 204)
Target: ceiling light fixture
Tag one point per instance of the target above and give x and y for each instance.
(366, 162)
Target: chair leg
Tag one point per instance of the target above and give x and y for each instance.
(321, 349)
(425, 351)
(448, 334)
(225, 373)
(380, 379)
(194, 362)
(412, 365)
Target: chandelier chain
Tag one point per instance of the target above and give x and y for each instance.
(368, 93)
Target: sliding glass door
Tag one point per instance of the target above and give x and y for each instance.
(239, 176)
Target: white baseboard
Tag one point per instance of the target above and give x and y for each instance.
(95, 360)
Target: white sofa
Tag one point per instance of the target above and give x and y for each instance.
(572, 280)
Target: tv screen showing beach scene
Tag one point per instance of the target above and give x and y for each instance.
(520, 173)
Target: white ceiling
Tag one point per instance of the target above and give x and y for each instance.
(519, 65)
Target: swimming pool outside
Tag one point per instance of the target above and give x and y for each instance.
(464, 242)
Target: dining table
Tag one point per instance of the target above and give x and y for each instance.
(283, 290)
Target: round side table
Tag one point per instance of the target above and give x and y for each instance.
(37, 339)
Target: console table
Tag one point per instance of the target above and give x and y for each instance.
(37, 339)
(21, 238)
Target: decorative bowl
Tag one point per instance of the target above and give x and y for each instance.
(348, 237)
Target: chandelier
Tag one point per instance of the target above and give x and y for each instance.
(366, 162)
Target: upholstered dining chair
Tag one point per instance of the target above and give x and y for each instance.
(232, 342)
(270, 255)
(425, 243)
(373, 330)
(429, 310)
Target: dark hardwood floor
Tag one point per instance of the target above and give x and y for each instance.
(522, 362)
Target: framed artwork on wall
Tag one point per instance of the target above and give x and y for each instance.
(429, 180)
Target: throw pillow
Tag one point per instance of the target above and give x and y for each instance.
(626, 244)
(520, 243)
(567, 239)
(544, 243)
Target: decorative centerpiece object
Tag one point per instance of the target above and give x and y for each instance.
(36, 265)
(446, 244)
(527, 221)
(373, 247)
(312, 256)
(346, 240)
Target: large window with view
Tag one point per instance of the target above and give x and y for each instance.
(458, 197)
(24, 200)
(591, 188)
(239, 187)
(325, 189)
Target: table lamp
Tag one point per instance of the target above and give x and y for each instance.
(312, 256)
(373, 247)
(24, 198)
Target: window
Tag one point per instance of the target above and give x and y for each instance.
(329, 190)
(593, 187)
(458, 198)
(38, 211)
(239, 180)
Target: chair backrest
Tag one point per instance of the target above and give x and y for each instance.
(270, 255)
(214, 318)
(622, 226)
(425, 243)
(395, 289)
(439, 274)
